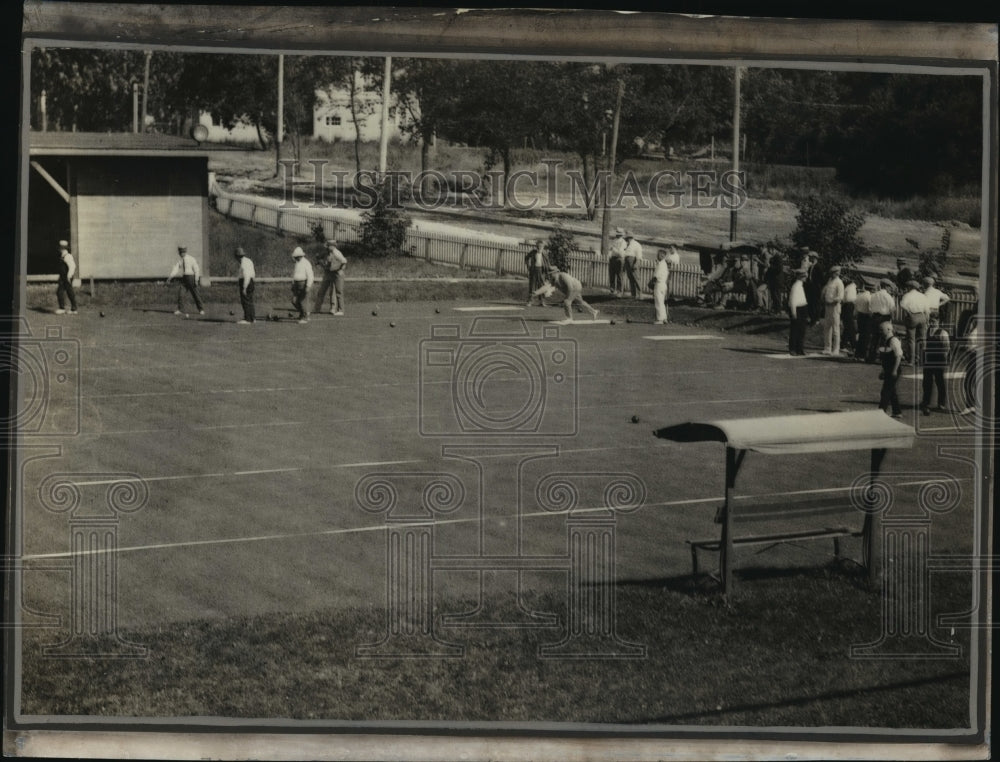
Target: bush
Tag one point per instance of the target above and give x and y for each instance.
(829, 227)
(561, 244)
(383, 227)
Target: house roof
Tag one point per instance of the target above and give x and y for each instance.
(117, 144)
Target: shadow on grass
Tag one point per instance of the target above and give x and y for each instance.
(703, 583)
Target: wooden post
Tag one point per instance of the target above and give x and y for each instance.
(461, 256)
(726, 544)
(870, 547)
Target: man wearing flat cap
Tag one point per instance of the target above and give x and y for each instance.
(798, 313)
(188, 271)
(913, 306)
(616, 259)
(833, 299)
(333, 263)
(67, 267)
(814, 285)
(863, 313)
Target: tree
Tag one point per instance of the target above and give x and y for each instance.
(827, 226)
(384, 225)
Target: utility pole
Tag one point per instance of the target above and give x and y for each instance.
(45, 116)
(383, 145)
(606, 189)
(279, 134)
(737, 72)
(145, 92)
(135, 107)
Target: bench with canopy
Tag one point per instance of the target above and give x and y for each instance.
(871, 430)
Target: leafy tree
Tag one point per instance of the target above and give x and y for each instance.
(560, 245)
(827, 226)
(383, 227)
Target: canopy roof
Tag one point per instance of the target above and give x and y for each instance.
(117, 144)
(791, 434)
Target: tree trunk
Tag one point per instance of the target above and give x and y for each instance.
(352, 90)
(505, 153)
(260, 136)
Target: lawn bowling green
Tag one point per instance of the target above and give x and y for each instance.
(255, 445)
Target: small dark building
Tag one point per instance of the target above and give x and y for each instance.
(124, 201)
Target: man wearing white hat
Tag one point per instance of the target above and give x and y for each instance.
(302, 280)
(188, 271)
(633, 256)
(660, 277)
(67, 267)
(615, 262)
(833, 298)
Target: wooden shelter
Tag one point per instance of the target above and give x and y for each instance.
(124, 201)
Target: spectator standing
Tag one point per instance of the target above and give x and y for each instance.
(660, 276)
(571, 287)
(616, 258)
(633, 256)
(833, 298)
(302, 280)
(188, 271)
(774, 277)
(246, 284)
(798, 312)
(935, 361)
(814, 285)
(849, 333)
(936, 299)
(537, 264)
(891, 358)
(334, 263)
(64, 291)
(913, 305)
(882, 305)
(863, 312)
(903, 275)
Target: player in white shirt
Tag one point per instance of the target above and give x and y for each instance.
(188, 271)
(833, 298)
(246, 284)
(661, 275)
(67, 268)
(913, 305)
(615, 262)
(334, 263)
(302, 280)
(798, 312)
(633, 256)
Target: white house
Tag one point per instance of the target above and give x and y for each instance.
(332, 120)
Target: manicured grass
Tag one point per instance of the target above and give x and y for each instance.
(777, 656)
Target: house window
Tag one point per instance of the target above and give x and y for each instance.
(333, 121)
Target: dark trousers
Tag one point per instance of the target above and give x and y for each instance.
(535, 279)
(797, 331)
(615, 274)
(777, 298)
(189, 284)
(64, 290)
(299, 290)
(849, 333)
(861, 346)
(633, 284)
(934, 376)
(889, 395)
(331, 280)
(246, 302)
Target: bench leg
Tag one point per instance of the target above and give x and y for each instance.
(836, 547)
(694, 560)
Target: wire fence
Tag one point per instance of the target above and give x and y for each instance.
(506, 257)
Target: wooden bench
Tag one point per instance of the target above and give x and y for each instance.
(746, 511)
